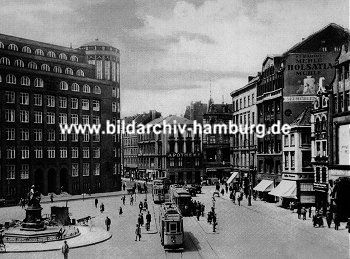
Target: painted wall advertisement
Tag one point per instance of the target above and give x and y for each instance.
(344, 144)
(305, 73)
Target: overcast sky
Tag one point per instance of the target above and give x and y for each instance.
(172, 50)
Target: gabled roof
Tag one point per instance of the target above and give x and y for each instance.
(172, 119)
(304, 119)
(220, 108)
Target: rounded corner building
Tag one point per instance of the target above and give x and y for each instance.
(42, 86)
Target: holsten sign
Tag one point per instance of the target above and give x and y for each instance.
(305, 72)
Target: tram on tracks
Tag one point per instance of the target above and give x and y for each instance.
(182, 198)
(171, 227)
(158, 192)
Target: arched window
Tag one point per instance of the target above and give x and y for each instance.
(5, 61)
(97, 90)
(32, 65)
(26, 49)
(62, 56)
(2, 45)
(45, 67)
(57, 69)
(25, 81)
(323, 123)
(38, 82)
(317, 124)
(19, 63)
(69, 71)
(63, 85)
(13, 47)
(86, 88)
(51, 54)
(80, 72)
(10, 79)
(39, 52)
(74, 58)
(75, 87)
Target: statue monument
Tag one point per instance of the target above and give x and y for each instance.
(33, 220)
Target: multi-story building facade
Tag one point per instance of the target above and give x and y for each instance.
(216, 147)
(288, 86)
(173, 155)
(244, 146)
(339, 148)
(195, 111)
(42, 86)
(319, 146)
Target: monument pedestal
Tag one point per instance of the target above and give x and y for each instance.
(33, 220)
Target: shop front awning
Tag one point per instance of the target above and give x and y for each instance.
(264, 186)
(285, 189)
(233, 176)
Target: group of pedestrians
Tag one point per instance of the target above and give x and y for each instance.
(141, 220)
(198, 209)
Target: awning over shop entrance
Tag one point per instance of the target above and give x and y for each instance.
(233, 176)
(286, 189)
(264, 186)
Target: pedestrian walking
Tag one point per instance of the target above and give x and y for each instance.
(138, 232)
(108, 223)
(303, 212)
(142, 219)
(299, 211)
(329, 218)
(131, 199)
(214, 222)
(198, 213)
(310, 212)
(123, 199)
(140, 206)
(90, 223)
(336, 222)
(202, 209)
(96, 202)
(226, 187)
(222, 191)
(120, 211)
(145, 205)
(65, 250)
(148, 220)
(51, 197)
(124, 186)
(102, 207)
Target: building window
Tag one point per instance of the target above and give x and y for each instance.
(45, 67)
(95, 120)
(86, 152)
(12, 47)
(86, 169)
(32, 65)
(69, 71)
(74, 103)
(107, 70)
(25, 171)
(171, 162)
(51, 152)
(62, 118)
(63, 85)
(62, 56)
(292, 140)
(63, 137)
(51, 54)
(57, 69)
(75, 170)
(38, 135)
(24, 134)
(96, 105)
(24, 98)
(74, 119)
(114, 92)
(97, 169)
(51, 135)
(38, 82)
(26, 49)
(86, 137)
(97, 90)
(75, 87)
(114, 107)
(324, 174)
(38, 152)
(86, 88)
(115, 169)
(63, 152)
(5, 61)
(19, 63)
(10, 79)
(85, 104)
(85, 119)
(96, 137)
(318, 148)
(74, 58)
(25, 81)
(10, 115)
(10, 153)
(75, 152)
(80, 72)
(99, 69)
(38, 100)
(50, 101)
(10, 134)
(74, 137)
(11, 171)
(62, 102)
(292, 160)
(10, 97)
(39, 52)
(96, 152)
(38, 117)
(24, 116)
(50, 116)
(25, 152)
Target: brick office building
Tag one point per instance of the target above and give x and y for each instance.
(43, 85)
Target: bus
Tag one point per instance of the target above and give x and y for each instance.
(171, 227)
(182, 199)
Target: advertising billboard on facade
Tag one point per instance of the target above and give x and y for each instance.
(344, 144)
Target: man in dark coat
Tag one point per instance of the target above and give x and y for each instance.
(108, 223)
(329, 218)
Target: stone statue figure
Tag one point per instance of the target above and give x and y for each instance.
(34, 198)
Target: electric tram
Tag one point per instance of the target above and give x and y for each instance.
(171, 224)
(158, 193)
(182, 199)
